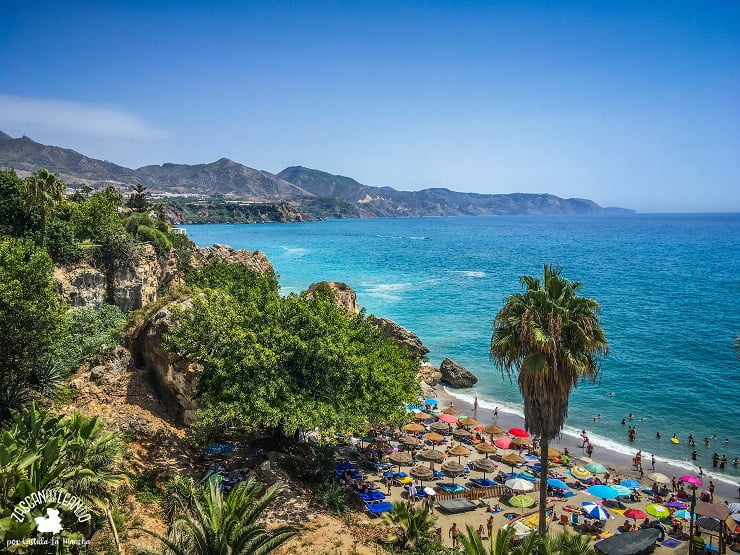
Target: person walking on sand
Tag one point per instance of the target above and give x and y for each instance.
(481, 532)
(652, 462)
(454, 532)
(489, 525)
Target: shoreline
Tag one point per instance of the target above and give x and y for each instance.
(725, 490)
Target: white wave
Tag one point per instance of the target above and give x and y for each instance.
(385, 291)
(470, 273)
(294, 251)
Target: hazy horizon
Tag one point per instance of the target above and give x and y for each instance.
(629, 105)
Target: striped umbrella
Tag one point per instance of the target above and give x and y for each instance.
(593, 510)
(521, 501)
(580, 472)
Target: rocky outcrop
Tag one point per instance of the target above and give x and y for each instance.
(343, 293)
(132, 285)
(429, 374)
(456, 375)
(176, 377)
(389, 328)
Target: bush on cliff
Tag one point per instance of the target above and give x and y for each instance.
(288, 363)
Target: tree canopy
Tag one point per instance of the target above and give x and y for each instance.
(290, 362)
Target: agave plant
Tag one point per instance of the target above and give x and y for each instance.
(415, 523)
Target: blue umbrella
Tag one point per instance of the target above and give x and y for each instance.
(592, 510)
(632, 484)
(559, 484)
(605, 492)
(430, 402)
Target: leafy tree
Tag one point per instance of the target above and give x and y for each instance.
(415, 524)
(550, 337)
(160, 241)
(44, 190)
(290, 363)
(15, 221)
(31, 317)
(138, 201)
(227, 526)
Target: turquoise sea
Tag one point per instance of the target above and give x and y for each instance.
(668, 285)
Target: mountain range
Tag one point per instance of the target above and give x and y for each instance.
(315, 192)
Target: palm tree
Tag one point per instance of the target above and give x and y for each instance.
(44, 190)
(550, 337)
(415, 523)
(226, 526)
(574, 544)
(473, 545)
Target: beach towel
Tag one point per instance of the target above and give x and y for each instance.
(672, 543)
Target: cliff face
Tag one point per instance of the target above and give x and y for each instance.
(131, 286)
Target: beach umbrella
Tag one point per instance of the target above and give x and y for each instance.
(451, 410)
(440, 426)
(458, 451)
(493, 430)
(468, 421)
(521, 441)
(409, 441)
(550, 452)
(693, 480)
(734, 507)
(400, 458)
(521, 501)
(461, 432)
(558, 484)
(485, 448)
(683, 514)
(484, 466)
(580, 472)
(708, 523)
(379, 445)
(593, 510)
(596, 468)
(518, 432)
(621, 490)
(634, 514)
(414, 428)
(421, 472)
(433, 437)
(512, 459)
(605, 492)
(422, 416)
(657, 510)
(503, 442)
(519, 484)
(430, 455)
(659, 478)
(429, 491)
(452, 469)
(632, 484)
(431, 402)
(449, 418)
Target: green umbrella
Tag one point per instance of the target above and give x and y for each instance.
(521, 501)
(596, 468)
(657, 510)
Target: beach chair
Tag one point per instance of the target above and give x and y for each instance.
(379, 508)
(574, 519)
(564, 520)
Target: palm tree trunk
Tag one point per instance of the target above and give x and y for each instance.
(544, 447)
(113, 529)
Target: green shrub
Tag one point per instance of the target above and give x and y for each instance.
(161, 242)
(335, 496)
(62, 244)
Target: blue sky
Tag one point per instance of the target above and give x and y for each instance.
(628, 103)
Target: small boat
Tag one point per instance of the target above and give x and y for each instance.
(675, 440)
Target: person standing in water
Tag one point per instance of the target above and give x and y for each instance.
(475, 404)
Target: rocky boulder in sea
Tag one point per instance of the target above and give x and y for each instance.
(456, 375)
(343, 293)
(429, 374)
(389, 328)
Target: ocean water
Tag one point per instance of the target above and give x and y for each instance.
(668, 285)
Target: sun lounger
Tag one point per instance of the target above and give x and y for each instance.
(482, 482)
(456, 505)
(450, 488)
(345, 465)
(371, 496)
(379, 508)
(353, 474)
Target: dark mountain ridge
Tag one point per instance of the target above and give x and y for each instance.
(316, 192)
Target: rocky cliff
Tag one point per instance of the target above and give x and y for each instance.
(131, 286)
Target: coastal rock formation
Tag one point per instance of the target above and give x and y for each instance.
(131, 286)
(389, 328)
(176, 378)
(343, 293)
(429, 374)
(456, 375)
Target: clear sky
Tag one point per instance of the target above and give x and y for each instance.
(633, 104)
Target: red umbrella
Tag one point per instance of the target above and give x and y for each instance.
(478, 428)
(518, 432)
(691, 480)
(503, 442)
(634, 514)
(449, 418)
